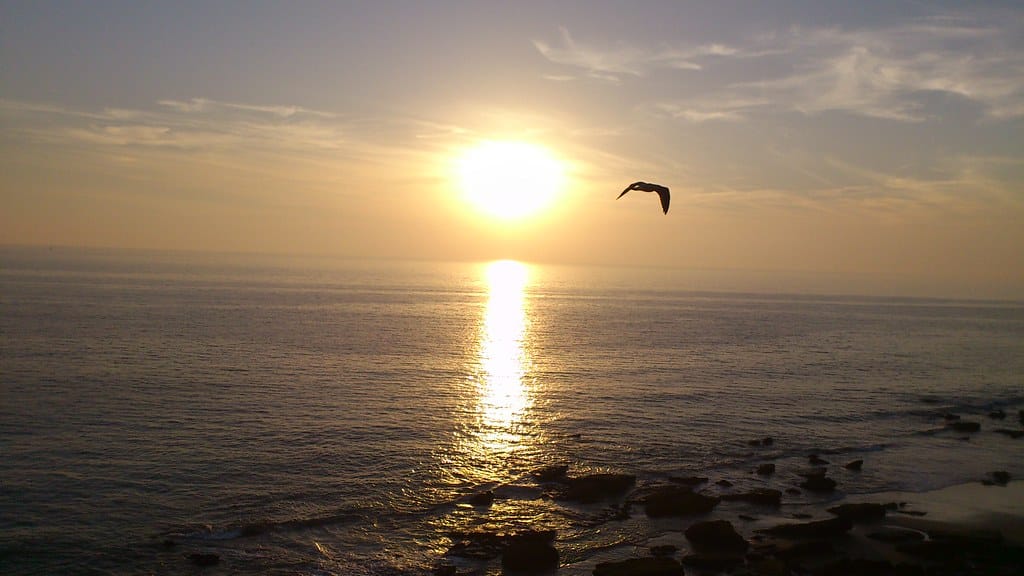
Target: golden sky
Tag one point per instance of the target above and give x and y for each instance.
(878, 140)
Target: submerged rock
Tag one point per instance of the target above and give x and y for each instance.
(444, 570)
(640, 567)
(997, 415)
(716, 536)
(965, 426)
(999, 477)
(530, 554)
(485, 498)
(1011, 433)
(204, 558)
(816, 460)
(688, 480)
(811, 530)
(762, 496)
(896, 535)
(863, 512)
(596, 487)
(819, 484)
(724, 483)
(766, 469)
(854, 465)
(554, 473)
(663, 550)
(486, 544)
(678, 501)
(711, 561)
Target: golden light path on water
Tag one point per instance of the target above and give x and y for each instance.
(503, 357)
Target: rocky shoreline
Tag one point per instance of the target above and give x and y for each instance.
(754, 536)
(721, 530)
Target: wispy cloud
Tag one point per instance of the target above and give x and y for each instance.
(197, 124)
(888, 73)
(204, 105)
(892, 72)
(623, 60)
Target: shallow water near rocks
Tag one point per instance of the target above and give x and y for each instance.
(336, 418)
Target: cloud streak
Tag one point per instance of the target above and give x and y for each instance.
(894, 73)
(624, 60)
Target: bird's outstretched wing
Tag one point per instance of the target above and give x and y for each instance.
(663, 194)
(628, 188)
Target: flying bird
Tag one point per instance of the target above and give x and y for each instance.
(648, 187)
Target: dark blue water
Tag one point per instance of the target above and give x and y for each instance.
(317, 417)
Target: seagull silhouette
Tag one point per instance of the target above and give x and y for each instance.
(648, 187)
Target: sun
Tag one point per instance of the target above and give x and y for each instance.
(509, 180)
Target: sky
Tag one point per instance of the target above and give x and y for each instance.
(867, 140)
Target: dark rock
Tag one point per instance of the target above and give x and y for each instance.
(754, 442)
(965, 426)
(640, 567)
(530, 555)
(204, 559)
(486, 545)
(597, 487)
(485, 498)
(950, 417)
(1020, 416)
(816, 460)
(801, 516)
(811, 530)
(444, 570)
(855, 465)
(767, 441)
(769, 567)
(1011, 433)
(480, 545)
(619, 511)
(796, 550)
(858, 567)
(555, 473)
(997, 415)
(1000, 477)
(677, 501)
(819, 484)
(912, 512)
(168, 543)
(724, 483)
(747, 518)
(793, 491)
(766, 469)
(710, 561)
(894, 535)
(663, 550)
(813, 472)
(688, 480)
(716, 536)
(762, 496)
(862, 512)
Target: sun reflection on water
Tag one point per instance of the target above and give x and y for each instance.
(503, 357)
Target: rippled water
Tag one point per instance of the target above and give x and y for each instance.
(334, 417)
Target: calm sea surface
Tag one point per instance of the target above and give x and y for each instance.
(335, 417)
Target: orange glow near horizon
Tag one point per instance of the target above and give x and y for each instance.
(508, 180)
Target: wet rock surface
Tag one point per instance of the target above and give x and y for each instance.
(640, 567)
(678, 501)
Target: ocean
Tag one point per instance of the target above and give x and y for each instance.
(336, 417)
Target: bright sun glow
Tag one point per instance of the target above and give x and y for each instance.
(509, 180)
